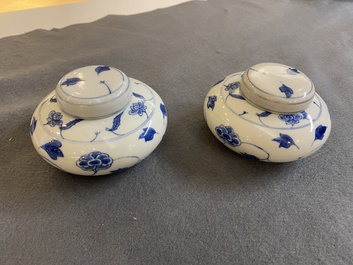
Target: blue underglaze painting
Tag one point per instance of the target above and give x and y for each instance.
(286, 90)
(101, 69)
(211, 102)
(53, 149)
(148, 134)
(285, 141)
(163, 110)
(94, 161)
(33, 125)
(320, 132)
(138, 108)
(292, 119)
(227, 134)
(71, 81)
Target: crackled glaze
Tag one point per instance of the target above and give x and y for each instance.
(261, 132)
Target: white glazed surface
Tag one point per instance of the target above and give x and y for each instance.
(100, 146)
(262, 135)
(277, 88)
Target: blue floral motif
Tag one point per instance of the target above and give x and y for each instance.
(148, 134)
(71, 81)
(285, 141)
(53, 149)
(292, 119)
(211, 102)
(320, 132)
(94, 161)
(232, 87)
(227, 134)
(33, 125)
(138, 108)
(286, 90)
(54, 118)
(100, 69)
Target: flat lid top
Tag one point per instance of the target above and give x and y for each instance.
(280, 80)
(91, 84)
(280, 84)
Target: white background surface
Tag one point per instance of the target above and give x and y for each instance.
(18, 22)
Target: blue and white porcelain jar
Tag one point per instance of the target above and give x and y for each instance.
(98, 121)
(270, 112)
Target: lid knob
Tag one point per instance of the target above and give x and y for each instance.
(277, 88)
(93, 91)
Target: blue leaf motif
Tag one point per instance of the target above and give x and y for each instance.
(292, 71)
(237, 96)
(285, 141)
(53, 99)
(320, 132)
(103, 68)
(138, 96)
(70, 124)
(286, 90)
(163, 110)
(148, 134)
(33, 125)
(250, 156)
(53, 149)
(263, 114)
(211, 102)
(71, 81)
(116, 123)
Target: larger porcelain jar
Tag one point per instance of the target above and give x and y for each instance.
(270, 112)
(98, 121)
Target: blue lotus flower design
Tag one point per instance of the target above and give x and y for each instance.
(54, 118)
(292, 119)
(227, 134)
(138, 108)
(53, 149)
(94, 161)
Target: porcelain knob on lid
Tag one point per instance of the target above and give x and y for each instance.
(93, 91)
(277, 88)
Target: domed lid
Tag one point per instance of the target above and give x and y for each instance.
(277, 88)
(93, 91)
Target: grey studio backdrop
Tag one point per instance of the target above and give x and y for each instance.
(192, 201)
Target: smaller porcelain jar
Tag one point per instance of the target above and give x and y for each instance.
(98, 121)
(270, 112)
